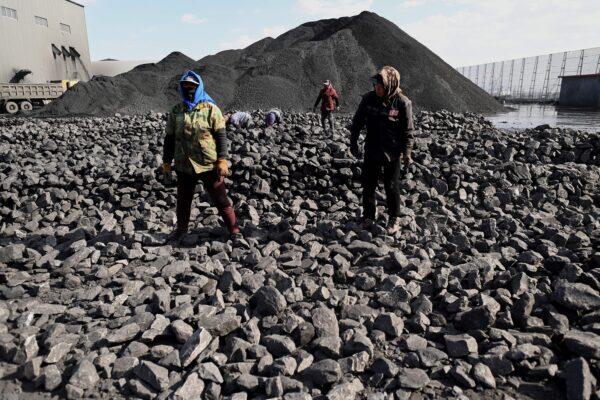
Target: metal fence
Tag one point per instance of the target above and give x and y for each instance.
(532, 78)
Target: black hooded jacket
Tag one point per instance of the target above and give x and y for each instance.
(389, 126)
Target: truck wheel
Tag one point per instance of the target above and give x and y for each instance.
(11, 107)
(26, 106)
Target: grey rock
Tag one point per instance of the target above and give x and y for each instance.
(576, 296)
(412, 378)
(278, 345)
(389, 323)
(323, 372)
(268, 301)
(153, 374)
(85, 376)
(325, 322)
(586, 344)
(194, 346)
(191, 389)
(124, 334)
(460, 345)
(578, 379)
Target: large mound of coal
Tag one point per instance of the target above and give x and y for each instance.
(288, 71)
(490, 291)
(146, 87)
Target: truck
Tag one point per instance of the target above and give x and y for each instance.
(26, 96)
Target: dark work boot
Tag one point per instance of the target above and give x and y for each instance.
(176, 236)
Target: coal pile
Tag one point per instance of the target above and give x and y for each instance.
(490, 289)
(287, 72)
(146, 87)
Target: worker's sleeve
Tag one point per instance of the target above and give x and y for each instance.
(408, 129)
(217, 124)
(169, 145)
(318, 100)
(358, 122)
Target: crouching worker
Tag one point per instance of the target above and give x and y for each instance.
(274, 116)
(387, 113)
(196, 139)
(239, 119)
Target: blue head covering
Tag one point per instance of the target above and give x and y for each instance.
(200, 95)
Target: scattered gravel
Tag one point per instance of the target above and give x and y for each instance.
(491, 287)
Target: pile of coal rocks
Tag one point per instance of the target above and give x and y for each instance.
(490, 289)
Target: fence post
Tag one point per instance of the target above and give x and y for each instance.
(547, 79)
(521, 78)
(580, 66)
(510, 77)
(533, 76)
(484, 76)
(501, 78)
(492, 79)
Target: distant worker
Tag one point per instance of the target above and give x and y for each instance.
(329, 102)
(274, 116)
(196, 139)
(387, 113)
(239, 119)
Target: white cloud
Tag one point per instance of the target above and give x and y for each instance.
(413, 3)
(239, 42)
(192, 19)
(332, 8)
(274, 31)
(246, 40)
(490, 30)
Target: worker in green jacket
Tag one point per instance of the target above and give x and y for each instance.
(196, 140)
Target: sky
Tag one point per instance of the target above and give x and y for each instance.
(462, 32)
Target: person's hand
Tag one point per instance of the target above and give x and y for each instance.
(166, 167)
(354, 149)
(406, 159)
(222, 167)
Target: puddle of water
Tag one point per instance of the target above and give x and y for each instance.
(531, 115)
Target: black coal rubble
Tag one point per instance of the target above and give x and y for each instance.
(493, 282)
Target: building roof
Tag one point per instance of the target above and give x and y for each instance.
(580, 76)
(76, 3)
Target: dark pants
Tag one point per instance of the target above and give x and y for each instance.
(327, 115)
(215, 186)
(372, 167)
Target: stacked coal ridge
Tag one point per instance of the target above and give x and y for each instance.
(288, 72)
(491, 287)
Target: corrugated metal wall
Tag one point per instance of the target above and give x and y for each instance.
(532, 78)
(24, 44)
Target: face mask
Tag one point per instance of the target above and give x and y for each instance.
(189, 94)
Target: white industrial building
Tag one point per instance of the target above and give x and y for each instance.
(47, 37)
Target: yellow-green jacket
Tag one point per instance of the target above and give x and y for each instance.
(195, 139)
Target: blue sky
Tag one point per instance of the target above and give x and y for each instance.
(462, 32)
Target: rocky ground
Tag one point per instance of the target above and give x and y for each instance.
(490, 291)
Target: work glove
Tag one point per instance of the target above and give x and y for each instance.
(222, 168)
(406, 159)
(167, 173)
(354, 149)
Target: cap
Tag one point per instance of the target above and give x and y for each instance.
(190, 79)
(377, 78)
(327, 82)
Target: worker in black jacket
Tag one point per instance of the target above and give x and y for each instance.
(387, 113)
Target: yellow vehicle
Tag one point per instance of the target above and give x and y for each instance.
(26, 96)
